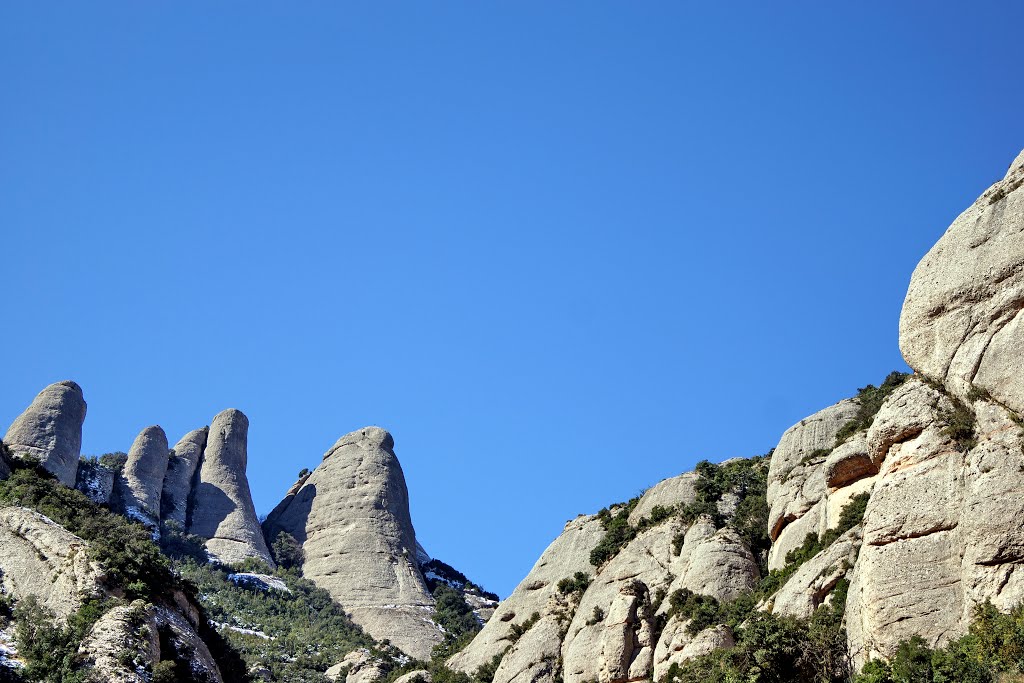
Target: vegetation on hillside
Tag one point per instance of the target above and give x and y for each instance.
(296, 633)
(133, 563)
(992, 651)
(869, 401)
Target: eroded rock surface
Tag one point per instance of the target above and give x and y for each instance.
(677, 645)
(143, 475)
(567, 554)
(796, 479)
(961, 322)
(41, 558)
(222, 509)
(181, 469)
(351, 516)
(50, 429)
(124, 645)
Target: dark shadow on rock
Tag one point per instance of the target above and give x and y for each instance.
(212, 507)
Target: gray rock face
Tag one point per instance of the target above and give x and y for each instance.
(666, 494)
(181, 470)
(125, 642)
(567, 554)
(611, 636)
(143, 475)
(351, 516)
(714, 562)
(222, 509)
(961, 322)
(677, 645)
(796, 479)
(41, 558)
(942, 533)
(814, 582)
(51, 429)
(534, 657)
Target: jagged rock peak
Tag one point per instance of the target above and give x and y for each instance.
(142, 479)
(961, 322)
(222, 508)
(351, 515)
(51, 429)
(181, 469)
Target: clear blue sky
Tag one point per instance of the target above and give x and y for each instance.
(560, 250)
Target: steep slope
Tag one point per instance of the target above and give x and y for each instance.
(351, 517)
(895, 513)
(93, 598)
(595, 608)
(961, 322)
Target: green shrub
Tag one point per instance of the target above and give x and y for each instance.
(992, 650)
(453, 614)
(577, 583)
(516, 631)
(869, 401)
(311, 632)
(617, 532)
(49, 650)
(287, 552)
(960, 424)
(126, 549)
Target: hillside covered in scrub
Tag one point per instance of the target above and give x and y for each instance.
(881, 540)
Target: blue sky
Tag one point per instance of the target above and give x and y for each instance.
(560, 250)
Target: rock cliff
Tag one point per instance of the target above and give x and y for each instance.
(222, 508)
(898, 508)
(181, 470)
(50, 429)
(961, 322)
(351, 516)
(142, 477)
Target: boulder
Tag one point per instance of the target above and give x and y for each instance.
(358, 666)
(961, 322)
(351, 515)
(142, 478)
(121, 644)
(50, 429)
(181, 469)
(222, 508)
(417, 676)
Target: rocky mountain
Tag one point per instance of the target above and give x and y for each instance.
(351, 517)
(897, 512)
(880, 541)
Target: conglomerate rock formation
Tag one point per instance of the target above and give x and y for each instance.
(50, 429)
(351, 516)
(899, 507)
(222, 508)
